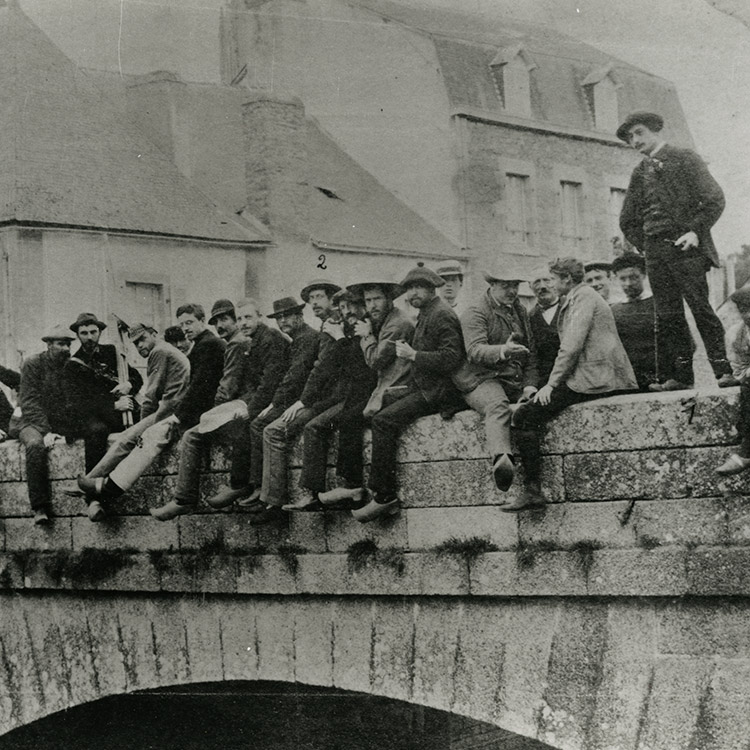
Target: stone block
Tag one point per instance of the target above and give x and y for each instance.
(22, 534)
(658, 420)
(238, 639)
(275, 629)
(307, 531)
(539, 574)
(717, 571)
(701, 628)
(352, 639)
(429, 527)
(392, 648)
(11, 571)
(148, 492)
(568, 524)
(312, 644)
(138, 574)
(166, 463)
(216, 533)
(342, 531)
(169, 639)
(435, 439)
(202, 627)
(210, 484)
(687, 521)
(219, 458)
(141, 533)
(702, 479)
(14, 499)
(737, 509)
(265, 574)
(11, 461)
(65, 460)
(638, 572)
(615, 475)
(468, 482)
(724, 720)
(437, 575)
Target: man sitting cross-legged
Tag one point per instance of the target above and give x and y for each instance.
(500, 366)
(167, 374)
(134, 450)
(591, 363)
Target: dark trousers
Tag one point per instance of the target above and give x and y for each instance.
(316, 439)
(37, 473)
(95, 430)
(743, 420)
(242, 454)
(531, 417)
(255, 453)
(676, 275)
(387, 426)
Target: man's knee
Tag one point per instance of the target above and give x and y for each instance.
(32, 440)
(275, 432)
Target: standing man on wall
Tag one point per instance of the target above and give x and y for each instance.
(671, 204)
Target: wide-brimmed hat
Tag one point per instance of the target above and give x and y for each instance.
(57, 333)
(508, 268)
(284, 306)
(347, 295)
(87, 319)
(222, 414)
(422, 275)
(221, 307)
(390, 288)
(139, 330)
(449, 268)
(651, 120)
(597, 265)
(329, 287)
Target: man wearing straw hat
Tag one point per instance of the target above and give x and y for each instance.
(500, 366)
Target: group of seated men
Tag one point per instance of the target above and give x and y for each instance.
(256, 388)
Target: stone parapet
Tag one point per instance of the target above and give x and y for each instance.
(652, 457)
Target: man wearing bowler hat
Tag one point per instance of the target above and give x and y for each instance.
(133, 450)
(303, 354)
(45, 414)
(500, 366)
(97, 399)
(435, 353)
(670, 206)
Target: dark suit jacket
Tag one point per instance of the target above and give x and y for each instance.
(206, 366)
(268, 363)
(440, 350)
(688, 191)
(546, 340)
(44, 396)
(302, 357)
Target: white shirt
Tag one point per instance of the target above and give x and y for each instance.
(549, 312)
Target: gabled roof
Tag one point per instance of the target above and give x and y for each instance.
(349, 208)
(68, 158)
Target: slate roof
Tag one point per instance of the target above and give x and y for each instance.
(68, 158)
(466, 45)
(363, 213)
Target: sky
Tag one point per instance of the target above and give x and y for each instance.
(705, 53)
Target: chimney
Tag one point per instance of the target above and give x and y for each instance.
(276, 163)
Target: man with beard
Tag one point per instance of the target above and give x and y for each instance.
(435, 353)
(355, 384)
(378, 333)
(234, 386)
(45, 418)
(135, 449)
(97, 399)
(543, 319)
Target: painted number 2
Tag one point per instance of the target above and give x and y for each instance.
(322, 262)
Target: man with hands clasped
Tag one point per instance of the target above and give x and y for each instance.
(500, 367)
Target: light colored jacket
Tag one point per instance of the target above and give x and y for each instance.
(168, 375)
(591, 358)
(380, 355)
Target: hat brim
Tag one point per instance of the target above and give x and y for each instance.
(47, 339)
(98, 323)
(392, 289)
(489, 278)
(286, 311)
(331, 289)
(651, 120)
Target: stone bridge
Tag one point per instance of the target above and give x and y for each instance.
(565, 625)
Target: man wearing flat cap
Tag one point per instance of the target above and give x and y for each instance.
(167, 378)
(384, 325)
(670, 206)
(45, 414)
(97, 399)
(451, 272)
(500, 366)
(435, 353)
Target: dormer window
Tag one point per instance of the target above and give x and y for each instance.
(511, 71)
(601, 87)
